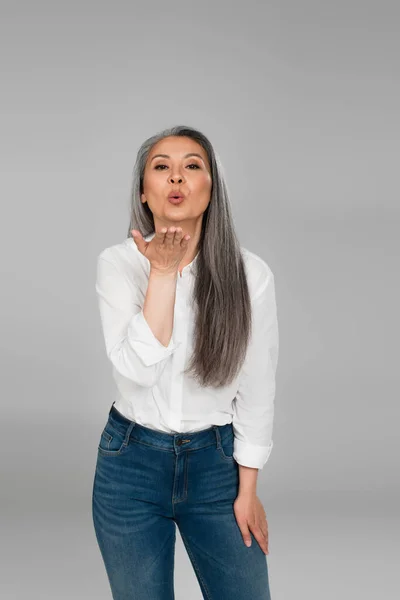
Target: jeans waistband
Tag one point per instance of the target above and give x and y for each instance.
(174, 442)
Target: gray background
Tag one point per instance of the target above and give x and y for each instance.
(301, 101)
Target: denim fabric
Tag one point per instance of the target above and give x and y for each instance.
(146, 483)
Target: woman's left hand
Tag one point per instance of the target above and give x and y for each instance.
(250, 516)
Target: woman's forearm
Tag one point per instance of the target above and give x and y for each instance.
(247, 480)
(158, 308)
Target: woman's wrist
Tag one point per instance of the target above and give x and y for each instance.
(247, 480)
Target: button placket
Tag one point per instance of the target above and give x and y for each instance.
(176, 385)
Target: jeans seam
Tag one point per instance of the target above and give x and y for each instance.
(195, 566)
(186, 476)
(171, 537)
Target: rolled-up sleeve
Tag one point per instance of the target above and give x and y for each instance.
(130, 343)
(254, 402)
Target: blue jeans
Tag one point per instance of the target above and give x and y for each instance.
(147, 482)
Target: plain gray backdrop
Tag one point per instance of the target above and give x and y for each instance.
(301, 101)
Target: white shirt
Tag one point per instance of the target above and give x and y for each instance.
(151, 389)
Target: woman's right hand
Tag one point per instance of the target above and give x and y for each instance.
(166, 250)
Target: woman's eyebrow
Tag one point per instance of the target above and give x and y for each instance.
(186, 155)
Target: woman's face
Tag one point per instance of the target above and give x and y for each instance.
(180, 171)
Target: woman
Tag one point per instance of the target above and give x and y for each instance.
(183, 447)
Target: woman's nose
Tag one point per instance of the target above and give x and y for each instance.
(176, 179)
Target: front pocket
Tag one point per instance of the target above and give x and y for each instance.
(226, 448)
(112, 442)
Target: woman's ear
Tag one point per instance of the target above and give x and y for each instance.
(143, 198)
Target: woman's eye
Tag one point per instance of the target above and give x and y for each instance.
(191, 165)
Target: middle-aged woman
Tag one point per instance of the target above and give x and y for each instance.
(184, 439)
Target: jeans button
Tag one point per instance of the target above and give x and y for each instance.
(179, 442)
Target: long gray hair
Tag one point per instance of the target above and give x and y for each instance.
(220, 295)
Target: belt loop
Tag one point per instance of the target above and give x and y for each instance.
(217, 435)
(128, 433)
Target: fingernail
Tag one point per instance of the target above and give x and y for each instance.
(248, 544)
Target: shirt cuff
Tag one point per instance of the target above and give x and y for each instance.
(143, 341)
(249, 455)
